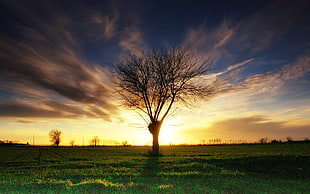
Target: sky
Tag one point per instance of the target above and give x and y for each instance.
(57, 58)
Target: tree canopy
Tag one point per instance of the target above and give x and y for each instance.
(54, 135)
(154, 81)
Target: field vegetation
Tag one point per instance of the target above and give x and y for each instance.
(278, 168)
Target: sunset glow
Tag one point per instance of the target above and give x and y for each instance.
(57, 62)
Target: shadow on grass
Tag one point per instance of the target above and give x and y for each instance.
(151, 167)
(279, 166)
(149, 177)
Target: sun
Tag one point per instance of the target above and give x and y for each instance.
(168, 132)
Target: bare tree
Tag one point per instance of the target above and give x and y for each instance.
(94, 141)
(55, 136)
(263, 140)
(153, 82)
(289, 139)
(125, 143)
(72, 143)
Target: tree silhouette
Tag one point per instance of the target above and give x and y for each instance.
(94, 141)
(72, 142)
(125, 143)
(263, 140)
(155, 80)
(55, 136)
(289, 139)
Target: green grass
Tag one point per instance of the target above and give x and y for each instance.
(280, 168)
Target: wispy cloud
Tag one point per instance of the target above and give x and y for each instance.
(210, 42)
(257, 125)
(250, 128)
(132, 41)
(19, 110)
(122, 23)
(50, 109)
(267, 25)
(45, 62)
(234, 67)
(247, 38)
(103, 26)
(64, 73)
(273, 80)
(273, 93)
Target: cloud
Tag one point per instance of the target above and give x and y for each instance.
(132, 41)
(15, 110)
(281, 94)
(269, 82)
(49, 109)
(73, 110)
(210, 42)
(259, 126)
(11, 85)
(297, 70)
(102, 26)
(64, 74)
(238, 40)
(234, 67)
(44, 60)
(109, 28)
(119, 22)
(267, 25)
(250, 128)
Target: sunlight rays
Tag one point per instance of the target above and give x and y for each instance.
(168, 133)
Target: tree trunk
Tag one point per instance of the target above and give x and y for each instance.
(155, 148)
(154, 128)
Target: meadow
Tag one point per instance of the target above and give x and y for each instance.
(278, 168)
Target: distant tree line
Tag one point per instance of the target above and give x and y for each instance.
(288, 140)
(12, 143)
(264, 140)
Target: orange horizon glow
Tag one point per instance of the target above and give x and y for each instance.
(203, 123)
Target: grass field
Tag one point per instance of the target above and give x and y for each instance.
(279, 168)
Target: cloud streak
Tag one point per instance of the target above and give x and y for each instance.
(19, 110)
(132, 41)
(102, 25)
(49, 63)
(49, 109)
(249, 38)
(248, 127)
(210, 43)
(272, 81)
(266, 26)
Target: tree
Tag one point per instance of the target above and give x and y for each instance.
(125, 143)
(263, 140)
(55, 136)
(72, 143)
(289, 139)
(94, 141)
(153, 82)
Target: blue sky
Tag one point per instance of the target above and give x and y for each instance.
(56, 60)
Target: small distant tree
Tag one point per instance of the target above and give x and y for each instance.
(94, 141)
(72, 143)
(217, 141)
(289, 139)
(263, 140)
(55, 136)
(116, 143)
(275, 141)
(125, 143)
